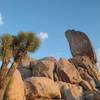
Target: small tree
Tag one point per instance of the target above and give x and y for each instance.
(17, 47)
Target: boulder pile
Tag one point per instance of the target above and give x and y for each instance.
(76, 78)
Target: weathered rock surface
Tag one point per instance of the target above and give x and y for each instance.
(15, 89)
(67, 72)
(71, 91)
(92, 95)
(44, 68)
(43, 87)
(49, 59)
(86, 86)
(87, 79)
(90, 69)
(80, 44)
(25, 72)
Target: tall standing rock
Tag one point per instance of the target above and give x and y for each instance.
(83, 56)
(80, 44)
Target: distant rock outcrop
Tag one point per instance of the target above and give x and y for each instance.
(48, 79)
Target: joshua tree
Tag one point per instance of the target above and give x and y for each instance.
(5, 53)
(15, 47)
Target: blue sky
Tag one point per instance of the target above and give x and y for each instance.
(52, 17)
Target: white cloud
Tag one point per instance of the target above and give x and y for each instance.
(43, 36)
(1, 19)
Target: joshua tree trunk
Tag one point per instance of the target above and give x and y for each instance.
(6, 80)
(3, 70)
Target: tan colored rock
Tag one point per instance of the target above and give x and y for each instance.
(41, 87)
(80, 44)
(71, 91)
(87, 79)
(43, 68)
(32, 63)
(67, 72)
(89, 67)
(15, 89)
(48, 59)
(86, 86)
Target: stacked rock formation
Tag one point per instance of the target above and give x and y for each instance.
(48, 79)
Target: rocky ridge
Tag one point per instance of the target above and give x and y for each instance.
(76, 78)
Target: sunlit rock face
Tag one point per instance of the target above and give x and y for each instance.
(15, 89)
